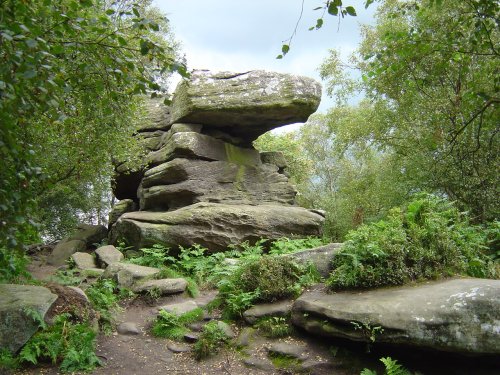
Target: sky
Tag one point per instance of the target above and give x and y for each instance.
(242, 35)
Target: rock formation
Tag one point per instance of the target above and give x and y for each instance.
(202, 181)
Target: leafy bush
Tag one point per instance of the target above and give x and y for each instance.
(12, 265)
(427, 239)
(211, 339)
(155, 256)
(264, 279)
(286, 245)
(104, 296)
(71, 343)
(173, 326)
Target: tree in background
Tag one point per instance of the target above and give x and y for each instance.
(430, 72)
(70, 72)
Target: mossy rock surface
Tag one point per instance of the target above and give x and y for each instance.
(246, 104)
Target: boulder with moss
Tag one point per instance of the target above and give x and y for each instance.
(457, 315)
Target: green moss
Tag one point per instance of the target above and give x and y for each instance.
(238, 155)
(281, 361)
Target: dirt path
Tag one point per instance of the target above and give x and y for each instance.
(143, 353)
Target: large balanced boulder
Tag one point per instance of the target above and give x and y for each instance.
(245, 105)
(182, 182)
(215, 226)
(17, 305)
(458, 315)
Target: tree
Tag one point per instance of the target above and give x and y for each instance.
(432, 71)
(69, 75)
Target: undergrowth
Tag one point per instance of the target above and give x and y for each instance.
(427, 239)
(211, 339)
(173, 326)
(392, 367)
(274, 326)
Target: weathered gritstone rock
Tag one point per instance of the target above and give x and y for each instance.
(107, 255)
(90, 234)
(163, 286)
(264, 310)
(192, 145)
(182, 182)
(84, 261)
(181, 307)
(215, 226)
(126, 180)
(16, 302)
(158, 116)
(121, 207)
(127, 275)
(245, 105)
(63, 251)
(321, 257)
(458, 315)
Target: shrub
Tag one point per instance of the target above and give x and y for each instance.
(155, 256)
(173, 326)
(210, 341)
(286, 245)
(274, 326)
(104, 299)
(427, 239)
(71, 343)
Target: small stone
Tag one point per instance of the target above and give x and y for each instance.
(280, 308)
(180, 308)
(261, 364)
(289, 350)
(196, 327)
(178, 348)
(226, 328)
(192, 336)
(245, 336)
(128, 328)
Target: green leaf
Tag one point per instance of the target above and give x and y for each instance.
(351, 11)
(279, 57)
(319, 23)
(285, 48)
(136, 12)
(333, 9)
(30, 74)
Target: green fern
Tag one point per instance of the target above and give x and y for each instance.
(392, 367)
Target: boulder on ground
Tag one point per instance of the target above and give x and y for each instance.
(107, 255)
(182, 182)
(63, 251)
(162, 286)
(265, 310)
(190, 145)
(17, 305)
(321, 257)
(83, 261)
(215, 226)
(119, 208)
(127, 275)
(90, 234)
(245, 104)
(457, 315)
(180, 307)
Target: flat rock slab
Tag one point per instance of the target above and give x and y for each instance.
(457, 315)
(288, 350)
(108, 254)
(215, 226)
(245, 104)
(259, 363)
(182, 182)
(281, 308)
(178, 348)
(64, 250)
(180, 308)
(83, 261)
(191, 145)
(163, 286)
(119, 208)
(128, 274)
(16, 326)
(321, 257)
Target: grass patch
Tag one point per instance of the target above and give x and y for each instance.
(172, 326)
(427, 239)
(281, 361)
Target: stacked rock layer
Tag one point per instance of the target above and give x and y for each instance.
(202, 181)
